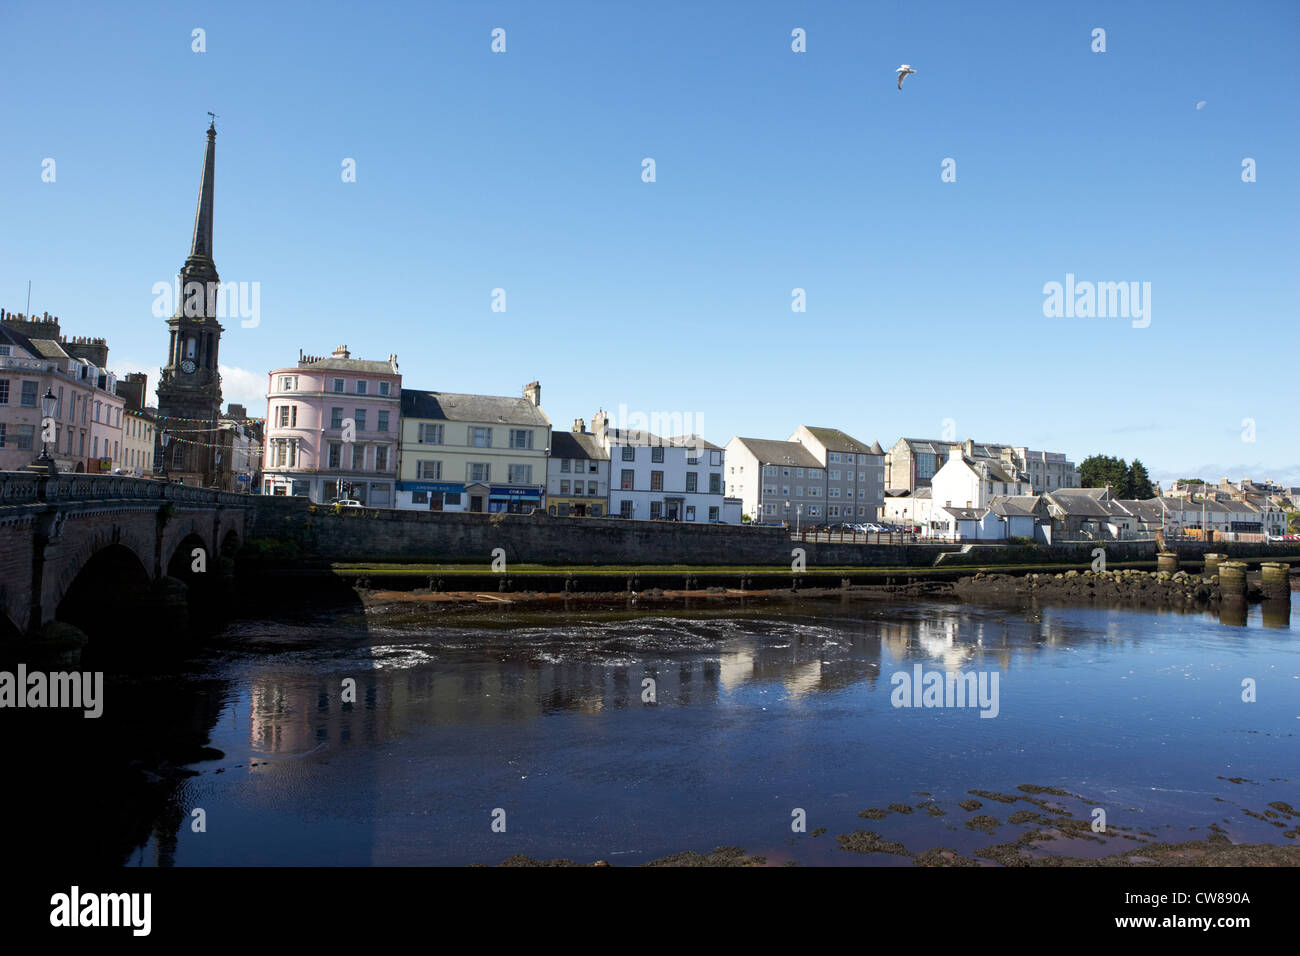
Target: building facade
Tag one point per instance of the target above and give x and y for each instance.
(87, 424)
(577, 474)
(776, 481)
(333, 429)
(855, 473)
(478, 453)
(913, 462)
(653, 478)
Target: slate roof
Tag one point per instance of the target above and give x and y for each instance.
(577, 445)
(482, 409)
(933, 446)
(964, 514)
(48, 348)
(1148, 511)
(996, 469)
(836, 440)
(784, 453)
(1018, 506)
(692, 441)
(364, 366)
(1078, 502)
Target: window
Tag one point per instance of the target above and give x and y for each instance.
(419, 497)
(427, 469)
(715, 457)
(288, 416)
(4, 350)
(385, 388)
(591, 487)
(4, 391)
(336, 418)
(28, 399)
(798, 491)
(338, 385)
(657, 454)
(656, 510)
(713, 514)
(627, 479)
(2, 434)
(692, 459)
(798, 472)
(479, 471)
(564, 465)
(362, 386)
(715, 484)
(382, 424)
(592, 467)
(835, 474)
(288, 383)
(564, 487)
(690, 512)
(381, 458)
(577, 489)
(358, 457)
(629, 453)
(481, 437)
(360, 418)
(625, 509)
(430, 435)
(848, 459)
(178, 454)
(94, 447)
(833, 458)
(521, 438)
(58, 409)
(814, 473)
(656, 481)
(769, 471)
(692, 481)
(833, 493)
(519, 474)
(336, 453)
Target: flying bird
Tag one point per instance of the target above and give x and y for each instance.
(902, 72)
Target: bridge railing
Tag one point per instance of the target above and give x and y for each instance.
(28, 487)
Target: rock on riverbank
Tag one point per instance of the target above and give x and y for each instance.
(1139, 588)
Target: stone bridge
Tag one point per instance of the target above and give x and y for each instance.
(111, 555)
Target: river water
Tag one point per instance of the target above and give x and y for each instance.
(544, 723)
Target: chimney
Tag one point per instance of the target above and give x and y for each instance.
(600, 424)
(955, 452)
(969, 446)
(533, 392)
(342, 352)
(579, 426)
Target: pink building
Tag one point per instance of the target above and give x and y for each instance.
(88, 412)
(332, 429)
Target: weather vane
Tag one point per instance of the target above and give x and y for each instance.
(214, 118)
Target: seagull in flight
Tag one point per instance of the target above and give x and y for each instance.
(902, 72)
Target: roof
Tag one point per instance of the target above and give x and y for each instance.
(1078, 502)
(19, 340)
(456, 407)
(934, 446)
(790, 453)
(691, 441)
(1018, 506)
(964, 514)
(48, 348)
(836, 440)
(1148, 510)
(349, 365)
(997, 471)
(577, 445)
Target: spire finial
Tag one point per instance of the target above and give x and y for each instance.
(199, 265)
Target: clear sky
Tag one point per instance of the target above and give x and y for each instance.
(775, 170)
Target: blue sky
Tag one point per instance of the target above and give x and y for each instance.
(775, 170)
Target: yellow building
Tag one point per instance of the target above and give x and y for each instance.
(484, 453)
(137, 443)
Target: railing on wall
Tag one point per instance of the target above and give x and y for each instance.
(28, 487)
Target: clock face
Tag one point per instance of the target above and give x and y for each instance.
(187, 367)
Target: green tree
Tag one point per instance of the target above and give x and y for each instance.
(1139, 481)
(1098, 471)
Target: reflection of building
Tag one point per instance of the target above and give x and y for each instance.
(484, 453)
(332, 429)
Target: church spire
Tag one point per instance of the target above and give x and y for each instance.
(199, 265)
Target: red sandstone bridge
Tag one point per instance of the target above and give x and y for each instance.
(111, 555)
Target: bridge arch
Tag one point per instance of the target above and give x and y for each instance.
(102, 597)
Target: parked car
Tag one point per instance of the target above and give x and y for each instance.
(347, 503)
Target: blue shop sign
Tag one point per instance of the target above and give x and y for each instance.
(507, 492)
(437, 487)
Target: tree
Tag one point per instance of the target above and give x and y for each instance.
(1098, 471)
(1139, 481)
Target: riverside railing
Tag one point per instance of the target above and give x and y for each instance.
(30, 487)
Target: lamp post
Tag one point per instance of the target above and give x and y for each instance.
(163, 439)
(786, 513)
(45, 463)
(798, 517)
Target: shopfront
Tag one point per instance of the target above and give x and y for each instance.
(430, 496)
(513, 500)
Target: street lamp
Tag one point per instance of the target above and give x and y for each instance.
(798, 517)
(163, 439)
(45, 462)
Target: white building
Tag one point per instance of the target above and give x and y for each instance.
(577, 474)
(966, 482)
(661, 479)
